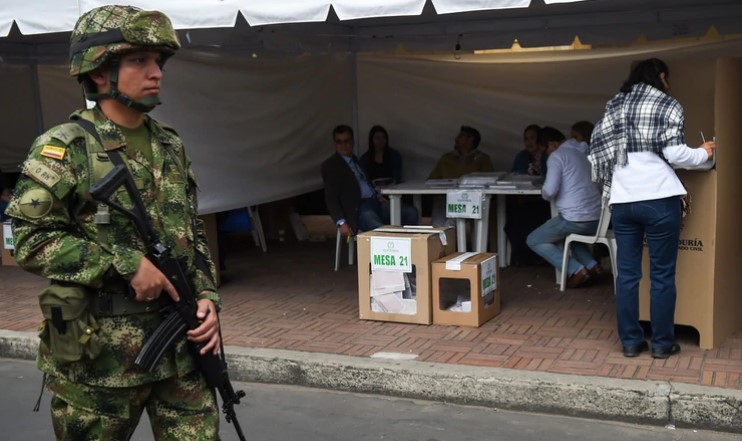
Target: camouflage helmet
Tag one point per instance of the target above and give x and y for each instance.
(107, 31)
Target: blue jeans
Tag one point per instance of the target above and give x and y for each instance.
(373, 214)
(659, 220)
(548, 242)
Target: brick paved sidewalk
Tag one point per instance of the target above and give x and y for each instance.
(290, 298)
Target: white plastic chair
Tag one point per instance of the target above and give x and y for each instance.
(338, 249)
(602, 235)
(257, 231)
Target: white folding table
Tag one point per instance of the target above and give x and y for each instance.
(481, 226)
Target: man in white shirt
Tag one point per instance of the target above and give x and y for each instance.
(569, 184)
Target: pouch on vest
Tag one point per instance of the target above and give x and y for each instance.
(69, 330)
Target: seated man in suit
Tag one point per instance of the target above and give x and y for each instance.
(351, 200)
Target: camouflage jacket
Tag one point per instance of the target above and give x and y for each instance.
(56, 237)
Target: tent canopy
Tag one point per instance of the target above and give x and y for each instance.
(301, 26)
(256, 103)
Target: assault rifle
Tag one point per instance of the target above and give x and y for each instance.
(181, 314)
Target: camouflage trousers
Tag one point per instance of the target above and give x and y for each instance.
(179, 409)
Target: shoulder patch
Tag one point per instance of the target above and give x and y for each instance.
(67, 132)
(40, 172)
(36, 203)
(54, 152)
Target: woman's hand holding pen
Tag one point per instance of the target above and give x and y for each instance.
(709, 146)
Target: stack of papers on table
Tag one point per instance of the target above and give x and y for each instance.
(479, 180)
(520, 181)
(441, 183)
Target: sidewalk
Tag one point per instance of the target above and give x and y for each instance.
(289, 318)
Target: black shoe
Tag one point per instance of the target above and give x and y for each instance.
(634, 351)
(665, 353)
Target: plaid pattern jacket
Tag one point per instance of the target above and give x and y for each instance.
(643, 120)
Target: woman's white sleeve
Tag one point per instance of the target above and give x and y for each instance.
(682, 156)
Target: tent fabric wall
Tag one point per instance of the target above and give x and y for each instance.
(257, 130)
(422, 103)
(17, 107)
(256, 105)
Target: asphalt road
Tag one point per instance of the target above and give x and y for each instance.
(273, 412)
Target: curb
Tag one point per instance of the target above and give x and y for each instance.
(655, 403)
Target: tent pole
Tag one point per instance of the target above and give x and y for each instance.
(354, 97)
(34, 64)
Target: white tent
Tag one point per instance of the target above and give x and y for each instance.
(256, 104)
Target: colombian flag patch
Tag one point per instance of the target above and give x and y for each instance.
(54, 152)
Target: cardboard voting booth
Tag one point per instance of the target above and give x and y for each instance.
(394, 272)
(466, 289)
(709, 281)
(8, 246)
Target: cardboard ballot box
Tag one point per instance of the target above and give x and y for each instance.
(466, 289)
(394, 271)
(8, 246)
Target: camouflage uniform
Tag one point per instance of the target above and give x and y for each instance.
(56, 234)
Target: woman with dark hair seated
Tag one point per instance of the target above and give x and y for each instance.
(381, 162)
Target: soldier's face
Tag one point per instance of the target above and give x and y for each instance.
(140, 74)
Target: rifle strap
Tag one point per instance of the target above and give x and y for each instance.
(98, 169)
(89, 127)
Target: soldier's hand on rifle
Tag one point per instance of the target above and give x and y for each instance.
(149, 282)
(208, 332)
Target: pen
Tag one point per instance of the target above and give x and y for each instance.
(703, 138)
(347, 239)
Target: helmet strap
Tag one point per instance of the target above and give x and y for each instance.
(144, 105)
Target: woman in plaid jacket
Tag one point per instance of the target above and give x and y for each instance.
(633, 150)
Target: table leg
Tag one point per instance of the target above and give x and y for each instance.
(461, 235)
(501, 238)
(481, 226)
(395, 209)
(555, 212)
(417, 202)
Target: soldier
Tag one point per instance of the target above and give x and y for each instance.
(104, 296)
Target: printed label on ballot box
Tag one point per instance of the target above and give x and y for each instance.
(391, 254)
(464, 204)
(8, 243)
(489, 275)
